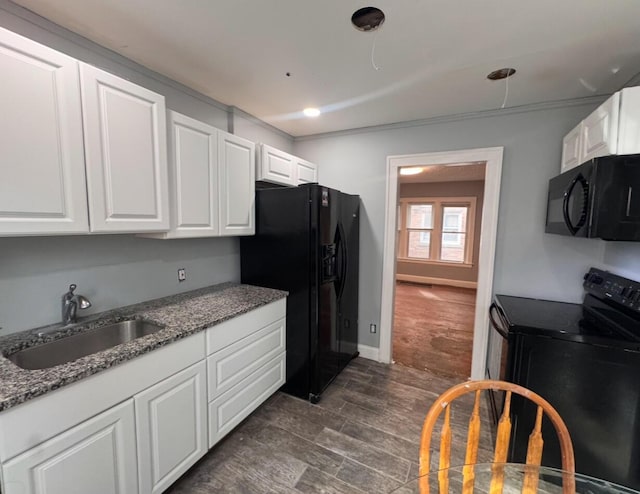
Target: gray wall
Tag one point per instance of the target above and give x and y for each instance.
(247, 126)
(112, 270)
(528, 261)
(446, 189)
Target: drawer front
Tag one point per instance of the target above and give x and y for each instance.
(228, 332)
(232, 407)
(231, 365)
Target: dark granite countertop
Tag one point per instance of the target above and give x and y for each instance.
(181, 315)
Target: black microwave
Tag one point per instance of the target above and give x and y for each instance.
(598, 199)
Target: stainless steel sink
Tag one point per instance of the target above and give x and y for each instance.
(80, 345)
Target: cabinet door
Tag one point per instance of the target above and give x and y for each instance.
(571, 149)
(276, 166)
(600, 130)
(126, 158)
(42, 181)
(171, 423)
(193, 177)
(97, 456)
(236, 168)
(306, 172)
(629, 130)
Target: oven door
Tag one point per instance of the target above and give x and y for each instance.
(568, 202)
(498, 357)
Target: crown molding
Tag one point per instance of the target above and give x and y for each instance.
(234, 110)
(64, 33)
(634, 81)
(548, 105)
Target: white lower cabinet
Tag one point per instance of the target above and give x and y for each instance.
(171, 423)
(139, 426)
(246, 365)
(96, 456)
(232, 407)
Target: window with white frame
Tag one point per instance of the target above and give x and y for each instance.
(437, 229)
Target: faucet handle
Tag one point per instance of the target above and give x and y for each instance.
(72, 287)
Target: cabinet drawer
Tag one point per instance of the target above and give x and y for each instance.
(228, 332)
(231, 365)
(230, 408)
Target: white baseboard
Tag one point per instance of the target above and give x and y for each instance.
(428, 280)
(369, 352)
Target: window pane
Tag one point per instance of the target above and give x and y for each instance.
(419, 244)
(420, 216)
(453, 247)
(454, 218)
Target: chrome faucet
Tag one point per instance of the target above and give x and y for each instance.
(70, 304)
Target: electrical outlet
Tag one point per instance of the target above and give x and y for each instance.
(372, 328)
(182, 274)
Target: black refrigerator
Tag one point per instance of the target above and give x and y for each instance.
(307, 242)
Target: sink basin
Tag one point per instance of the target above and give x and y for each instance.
(80, 345)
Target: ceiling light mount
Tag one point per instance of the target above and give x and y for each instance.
(500, 74)
(367, 19)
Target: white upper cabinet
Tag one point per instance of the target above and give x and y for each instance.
(600, 130)
(571, 149)
(276, 166)
(282, 168)
(613, 128)
(42, 178)
(193, 178)
(306, 172)
(236, 172)
(125, 148)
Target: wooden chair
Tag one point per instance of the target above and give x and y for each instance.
(534, 450)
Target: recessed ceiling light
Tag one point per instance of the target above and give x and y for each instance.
(367, 19)
(412, 170)
(311, 112)
(496, 75)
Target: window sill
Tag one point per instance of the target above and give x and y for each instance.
(435, 263)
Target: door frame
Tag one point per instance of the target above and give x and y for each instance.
(493, 172)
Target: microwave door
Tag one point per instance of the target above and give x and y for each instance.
(575, 204)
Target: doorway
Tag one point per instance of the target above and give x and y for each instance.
(439, 226)
(492, 159)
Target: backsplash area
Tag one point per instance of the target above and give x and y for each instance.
(111, 270)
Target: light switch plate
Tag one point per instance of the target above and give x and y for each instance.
(182, 274)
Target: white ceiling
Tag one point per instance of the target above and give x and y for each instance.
(433, 55)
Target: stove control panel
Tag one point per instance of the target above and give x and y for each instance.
(609, 286)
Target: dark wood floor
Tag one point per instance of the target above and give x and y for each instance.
(433, 328)
(363, 436)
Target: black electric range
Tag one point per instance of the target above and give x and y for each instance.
(584, 359)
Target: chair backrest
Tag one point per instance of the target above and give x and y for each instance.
(534, 450)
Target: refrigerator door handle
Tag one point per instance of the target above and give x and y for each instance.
(340, 240)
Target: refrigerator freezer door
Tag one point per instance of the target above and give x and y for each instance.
(282, 256)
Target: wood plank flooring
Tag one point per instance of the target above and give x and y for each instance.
(433, 328)
(363, 437)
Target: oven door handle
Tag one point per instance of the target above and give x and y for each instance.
(495, 325)
(585, 199)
